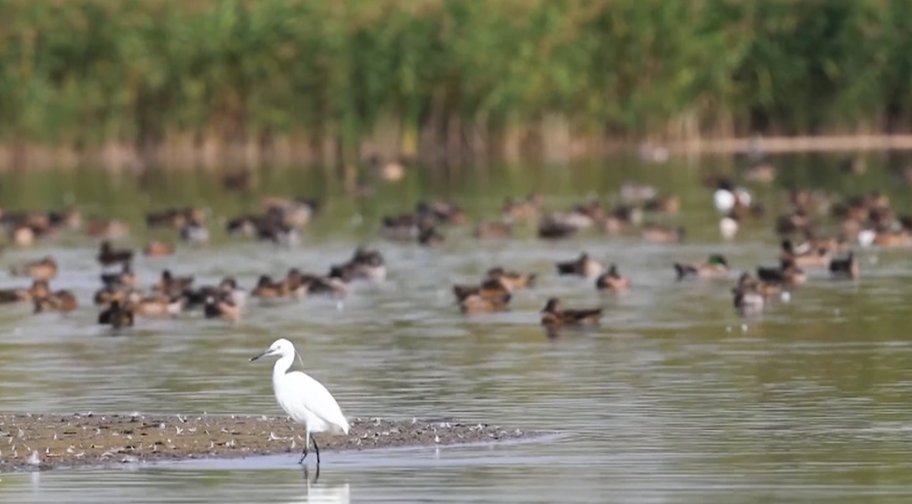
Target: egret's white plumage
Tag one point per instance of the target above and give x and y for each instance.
(866, 237)
(726, 197)
(724, 200)
(303, 398)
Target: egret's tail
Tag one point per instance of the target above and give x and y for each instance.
(344, 425)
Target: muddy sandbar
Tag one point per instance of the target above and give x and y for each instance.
(39, 442)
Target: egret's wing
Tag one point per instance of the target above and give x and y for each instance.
(313, 396)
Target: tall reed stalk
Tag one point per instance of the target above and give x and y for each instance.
(450, 78)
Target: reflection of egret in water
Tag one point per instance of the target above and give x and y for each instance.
(323, 493)
(35, 477)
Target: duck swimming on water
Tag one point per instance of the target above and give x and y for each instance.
(584, 266)
(612, 280)
(116, 315)
(553, 315)
(716, 266)
(108, 255)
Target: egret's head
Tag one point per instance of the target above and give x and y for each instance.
(281, 347)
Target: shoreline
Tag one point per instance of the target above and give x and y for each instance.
(179, 152)
(30, 442)
(786, 144)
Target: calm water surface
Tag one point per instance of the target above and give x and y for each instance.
(675, 399)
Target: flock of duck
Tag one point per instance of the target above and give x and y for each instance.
(121, 299)
(867, 220)
(861, 221)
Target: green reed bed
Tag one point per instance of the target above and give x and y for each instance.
(486, 76)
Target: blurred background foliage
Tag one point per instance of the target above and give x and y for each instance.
(434, 72)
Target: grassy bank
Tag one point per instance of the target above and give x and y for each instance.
(234, 81)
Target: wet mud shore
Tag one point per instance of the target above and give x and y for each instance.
(31, 442)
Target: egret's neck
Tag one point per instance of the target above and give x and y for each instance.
(282, 366)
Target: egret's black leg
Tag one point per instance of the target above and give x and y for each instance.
(304, 453)
(316, 449)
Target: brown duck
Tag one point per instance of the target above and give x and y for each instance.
(305, 284)
(296, 212)
(110, 293)
(584, 266)
(171, 285)
(125, 278)
(155, 306)
(746, 283)
(108, 255)
(553, 228)
(174, 218)
(887, 239)
(42, 269)
(811, 258)
(441, 211)
(365, 264)
(846, 267)
(788, 273)
(228, 287)
(477, 303)
(752, 295)
(14, 295)
(100, 227)
(511, 280)
(661, 234)
(670, 205)
(612, 280)
(491, 288)
(554, 316)
(221, 305)
(267, 288)
(38, 289)
(716, 266)
(116, 315)
(62, 301)
(158, 249)
(429, 236)
(403, 226)
(493, 230)
(524, 210)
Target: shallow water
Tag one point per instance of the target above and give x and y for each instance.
(675, 399)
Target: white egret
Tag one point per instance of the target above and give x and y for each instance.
(866, 237)
(303, 398)
(724, 199)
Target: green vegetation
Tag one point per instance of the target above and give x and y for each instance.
(445, 72)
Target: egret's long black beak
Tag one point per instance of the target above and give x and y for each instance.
(255, 357)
